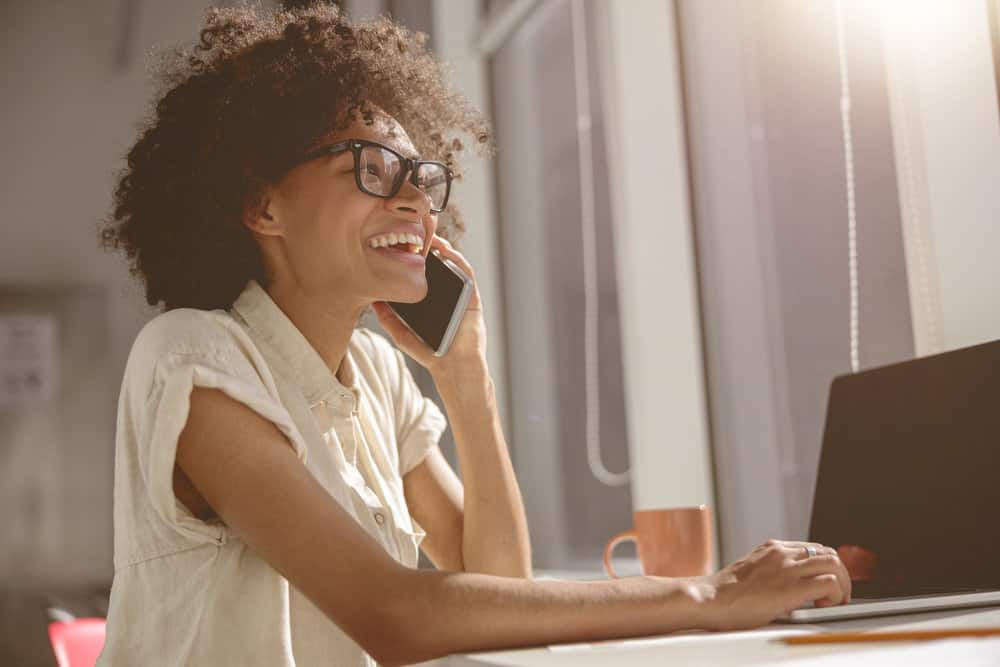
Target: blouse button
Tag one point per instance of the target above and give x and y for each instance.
(379, 518)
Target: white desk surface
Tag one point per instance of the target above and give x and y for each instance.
(757, 647)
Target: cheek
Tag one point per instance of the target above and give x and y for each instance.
(331, 234)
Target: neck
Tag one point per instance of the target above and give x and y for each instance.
(327, 322)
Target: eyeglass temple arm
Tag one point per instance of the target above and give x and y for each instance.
(332, 149)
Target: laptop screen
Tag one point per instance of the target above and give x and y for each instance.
(908, 487)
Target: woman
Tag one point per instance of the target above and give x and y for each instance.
(277, 467)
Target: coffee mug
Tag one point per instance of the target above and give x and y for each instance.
(674, 542)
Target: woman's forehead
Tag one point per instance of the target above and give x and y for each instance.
(383, 129)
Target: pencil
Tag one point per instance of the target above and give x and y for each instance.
(902, 636)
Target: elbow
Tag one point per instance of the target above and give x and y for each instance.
(521, 571)
(522, 561)
(393, 650)
(394, 660)
(389, 659)
(393, 643)
(400, 646)
(399, 635)
(500, 562)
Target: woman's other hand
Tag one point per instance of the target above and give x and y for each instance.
(771, 581)
(468, 349)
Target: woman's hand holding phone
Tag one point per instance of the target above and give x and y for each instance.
(467, 353)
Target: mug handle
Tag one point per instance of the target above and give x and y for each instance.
(624, 536)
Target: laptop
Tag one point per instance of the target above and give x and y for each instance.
(908, 486)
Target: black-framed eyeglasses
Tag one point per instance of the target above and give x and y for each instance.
(380, 171)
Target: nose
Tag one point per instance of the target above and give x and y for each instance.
(410, 199)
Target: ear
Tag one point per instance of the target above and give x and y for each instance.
(263, 218)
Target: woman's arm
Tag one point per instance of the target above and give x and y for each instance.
(435, 497)
(481, 527)
(494, 528)
(247, 471)
(486, 531)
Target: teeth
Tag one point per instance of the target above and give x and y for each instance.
(414, 242)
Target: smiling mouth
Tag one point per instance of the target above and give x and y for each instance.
(412, 248)
(403, 242)
(402, 252)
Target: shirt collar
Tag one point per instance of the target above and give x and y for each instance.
(270, 326)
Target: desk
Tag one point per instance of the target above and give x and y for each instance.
(753, 647)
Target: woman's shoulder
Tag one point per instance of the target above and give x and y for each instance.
(184, 334)
(190, 330)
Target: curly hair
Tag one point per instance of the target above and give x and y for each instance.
(234, 112)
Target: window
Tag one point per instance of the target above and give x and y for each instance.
(570, 513)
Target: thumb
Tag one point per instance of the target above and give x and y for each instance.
(400, 333)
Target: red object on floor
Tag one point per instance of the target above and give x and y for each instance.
(77, 643)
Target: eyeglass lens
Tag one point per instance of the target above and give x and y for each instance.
(380, 169)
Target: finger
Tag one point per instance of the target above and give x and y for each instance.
(804, 550)
(824, 590)
(844, 576)
(389, 320)
(429, 242)
(769, 544)
(396, 328)
(441, 243)
(811, 567)
(797, 548)
(790, 550)
(447, 250)
(826, 561)
(839, 568)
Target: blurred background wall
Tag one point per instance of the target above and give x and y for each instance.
(748, 331)
(73, 87)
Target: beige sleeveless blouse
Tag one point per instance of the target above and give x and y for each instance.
(190, 592)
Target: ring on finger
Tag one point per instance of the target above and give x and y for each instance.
(810, 551)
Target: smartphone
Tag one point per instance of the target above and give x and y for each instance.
(435, 320)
